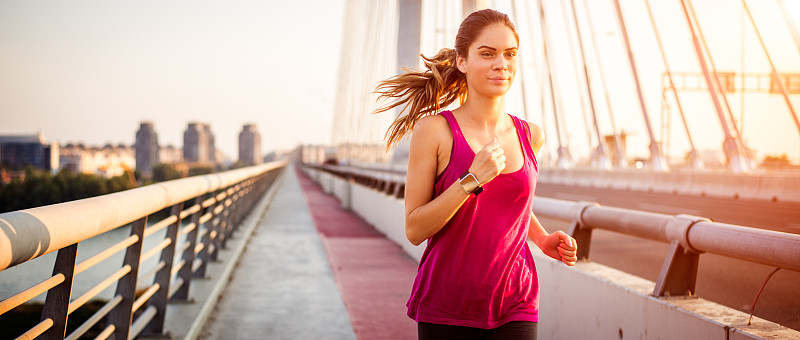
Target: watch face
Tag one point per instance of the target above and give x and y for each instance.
(469, 182)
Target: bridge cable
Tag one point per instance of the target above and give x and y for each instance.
(656, 156)
(603, 161)
(790, 22)
(362, 82)
(741, 70)
(537, 62)
(618, 149)
(563, 150)
(738, 137)
(730, 146)
(366, 125)
(694, 155)
(775, 74)
(342, 106)
(520, 67)
(574, 62)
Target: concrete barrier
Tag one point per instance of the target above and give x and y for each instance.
(386, 214)
(341, 189)
(791, 189)
(605, 303)
(326, 182)
(762, 186)
(684, 183)
(637, 180)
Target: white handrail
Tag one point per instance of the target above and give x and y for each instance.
(26, 234)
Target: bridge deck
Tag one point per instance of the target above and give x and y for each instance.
(313, 270)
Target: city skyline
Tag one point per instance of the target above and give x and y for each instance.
(153, 129)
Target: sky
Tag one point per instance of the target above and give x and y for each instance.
(91, 71)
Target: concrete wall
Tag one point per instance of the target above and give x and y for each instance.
(777, 187)
(387, 214)
(588, 301)
(592, 301)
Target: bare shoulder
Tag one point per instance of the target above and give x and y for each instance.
(430, 130)
(537, 137)
(431, 123)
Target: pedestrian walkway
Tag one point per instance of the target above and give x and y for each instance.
(284, 286)
(373, 273)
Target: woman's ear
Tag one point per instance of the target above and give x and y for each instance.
(461, 64)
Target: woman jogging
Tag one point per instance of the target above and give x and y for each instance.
(469, 188)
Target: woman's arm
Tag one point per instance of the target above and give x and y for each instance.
(425, 216)
(557, 245)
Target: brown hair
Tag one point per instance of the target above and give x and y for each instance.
(424, 92)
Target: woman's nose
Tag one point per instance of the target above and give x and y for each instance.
(500, 63)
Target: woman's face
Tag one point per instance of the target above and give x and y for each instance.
(491, 62)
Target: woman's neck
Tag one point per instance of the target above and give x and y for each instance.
(486, 113)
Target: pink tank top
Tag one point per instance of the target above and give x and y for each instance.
(477, 271)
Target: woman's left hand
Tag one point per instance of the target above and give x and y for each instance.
(562, 247)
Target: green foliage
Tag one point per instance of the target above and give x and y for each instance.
(41, 188)
(165, 172)
(200, 170)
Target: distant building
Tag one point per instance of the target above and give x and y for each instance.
(170, 155)
(107, 161)
(16, 152)
(198, 144)
(249, 145)
(212, 150)
(147, 150)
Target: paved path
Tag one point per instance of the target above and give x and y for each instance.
(373, 273)
(284, 288)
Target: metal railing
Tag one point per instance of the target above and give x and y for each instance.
(390, 182)
(688, 236)
(212, 204)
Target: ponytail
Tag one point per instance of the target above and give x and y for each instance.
(421, 93)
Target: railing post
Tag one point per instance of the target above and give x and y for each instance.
(242, 204)
(121, 316)
(678, 274)
(226, 220)
(246, 201)
(57, 302)
(186, 271)
(216, 226)
(204, 254)
(163, 277)
(579, 231)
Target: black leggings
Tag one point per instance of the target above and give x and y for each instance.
(516, 330)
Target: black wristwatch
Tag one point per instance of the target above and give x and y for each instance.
(470, 183)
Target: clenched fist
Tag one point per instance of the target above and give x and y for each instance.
(488, 162)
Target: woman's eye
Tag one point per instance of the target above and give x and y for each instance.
(486, 54)
(511, 54)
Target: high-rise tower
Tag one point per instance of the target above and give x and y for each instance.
(146, 149)
(249, 145)
(198, 144)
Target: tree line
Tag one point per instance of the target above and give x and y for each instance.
(40, 187)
